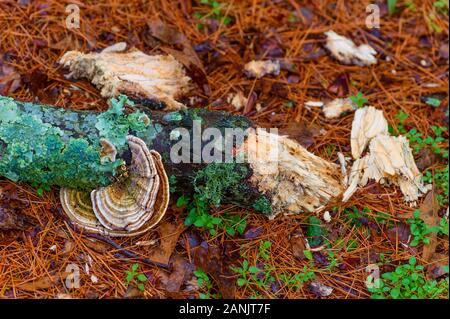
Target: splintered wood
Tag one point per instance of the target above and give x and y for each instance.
(389, 159)
(297, 180)
(134, 73)
(345, 51)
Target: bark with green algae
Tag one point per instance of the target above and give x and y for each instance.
(49, 146)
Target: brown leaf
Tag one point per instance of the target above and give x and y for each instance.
(183, 50)
(9, 78)
(38, 81)
(182, 270)
(425, 158)
(169, 234)
(133, 293)
(436, 268)
(340, 85)
(298, 245)
(214, 262)
(97, 245)
(301, 133)
(399, 233)
(39, 284)
(11, 215)
(429, 213)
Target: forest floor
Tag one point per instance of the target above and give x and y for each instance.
(245, 255)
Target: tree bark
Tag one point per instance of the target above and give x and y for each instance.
(49, 146)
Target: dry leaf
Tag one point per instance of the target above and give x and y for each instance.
(169, 234)
(9, 78)
(429, 214)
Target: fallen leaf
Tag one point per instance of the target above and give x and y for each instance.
(214, 262)
(438, 265)
(253, 232)
(429, 214)
(399, 233)
(41, 283)
(11, 215)
(169, 234)
(133, 293)
(319, 289)
(300, 132)
(37, 82)
(182, 271)
(298, 244)
(9, 78)
(187, 55)
(97, 245)
(340, 85)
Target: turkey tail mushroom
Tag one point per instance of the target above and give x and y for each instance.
(128, 207)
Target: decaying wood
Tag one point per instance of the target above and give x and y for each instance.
(389, 159)
(258, 69)
(347, 52)
(293, 182)
(160, 79)
(297, 180)
(337, 107)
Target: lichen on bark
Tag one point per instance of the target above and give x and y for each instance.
(46, 146)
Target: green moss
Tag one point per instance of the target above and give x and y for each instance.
(217, 180)
(263, 205)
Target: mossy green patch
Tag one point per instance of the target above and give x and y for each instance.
(263, 205)
(216, 180)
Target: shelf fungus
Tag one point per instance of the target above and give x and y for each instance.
(345, 51)
(128, 207)
(388, 160)
(158, 80)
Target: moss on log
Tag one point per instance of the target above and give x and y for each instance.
(49, 146)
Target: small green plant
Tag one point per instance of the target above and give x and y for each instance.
(198, 214)
(330, 149)
(133, 276)
(442, 6)
(433, 102)
(205, 283)
(264, 252)
(254, 276)
(234, 224)
(172, 183)
(437, 143)
(391, 6)
(246, 272)
(401, 118)
(215, 13)
(420, 230)
(315, 232)
(408, 282)
(440, 179)
(296, 281)
(359, 100)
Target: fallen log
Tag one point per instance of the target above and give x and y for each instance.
(114, 167)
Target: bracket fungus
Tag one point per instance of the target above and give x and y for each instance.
(128, 207)
(159, 78)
